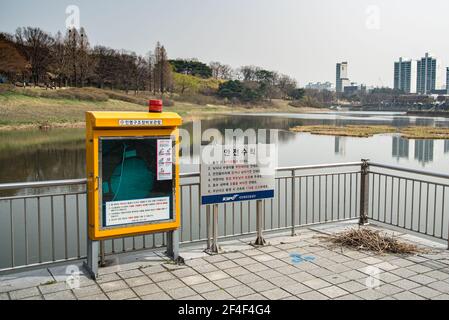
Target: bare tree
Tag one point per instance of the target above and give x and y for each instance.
(36, 44)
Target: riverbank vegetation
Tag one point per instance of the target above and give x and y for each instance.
(25, 108)
(364, 131)
(35, 58)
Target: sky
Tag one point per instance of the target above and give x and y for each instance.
(301, 38)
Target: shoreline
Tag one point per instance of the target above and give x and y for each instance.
(199, 114)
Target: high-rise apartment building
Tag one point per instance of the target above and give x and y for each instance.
(405, 75)
(342, 77)
(429, 75)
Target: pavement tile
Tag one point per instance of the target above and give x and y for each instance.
(349, 297)
(386, 266)
(196, 297)
(138, 281)
(237, 271)
(287, 270)
(205, 287)
(296, 288)
(87, 291)
(312, 295)
(162, 276)
(441, 286)
(171, 284)
(248, 278)
(407, 295)
(335, 279)
(275, 294)
(153, 269)
(181, 273)
(275, 264)
(333, 292)
(227, 283)
(217, 295)
(205, 268)
(215, 258)
(225, 265)
(406, 284)
(255, 296)
(55, 287)
(4, 296)
(389, 289)
(192, 280)
(157, 296)
(262, 285)
(370, 294)
(404, 273)
(263, 258)
(113, 286)
(439, 275)
(282, 281)
(302, 276)
(147, 289)
(123, 294)
(269, 273)
(352, 286)
(61, 295)
(426, 292)
(317, 283)
(257, 267)
(422, 279)
(216, 275)
(100, 296)
(419, 268)
(130, 274)
(24, 293)
(180, 293)
(240, 291)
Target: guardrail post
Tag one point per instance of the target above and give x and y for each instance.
(260, 241)
(364, 192)
(173, 246)
(91, 265)
(293, 203)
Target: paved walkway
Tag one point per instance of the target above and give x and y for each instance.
(301, 267)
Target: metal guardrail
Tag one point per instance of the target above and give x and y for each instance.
(44, 229)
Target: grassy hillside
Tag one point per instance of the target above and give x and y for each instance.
(25, 108)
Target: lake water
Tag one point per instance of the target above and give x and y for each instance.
(66, 160)
(28, 156)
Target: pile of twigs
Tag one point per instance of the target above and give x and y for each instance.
(371, 240)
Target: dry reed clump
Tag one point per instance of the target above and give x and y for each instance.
(370, 240)
(347, 131)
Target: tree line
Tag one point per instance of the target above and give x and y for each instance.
(33, 56)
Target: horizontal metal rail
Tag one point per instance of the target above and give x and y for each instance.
(46, 229)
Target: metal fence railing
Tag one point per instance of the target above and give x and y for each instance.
(47, 223)
(411, 199)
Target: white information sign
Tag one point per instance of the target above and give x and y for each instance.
(236, 173)
(164, 159)
(137, 211)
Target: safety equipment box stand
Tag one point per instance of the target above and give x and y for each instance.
(132, 178)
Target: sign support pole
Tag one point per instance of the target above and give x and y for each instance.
(92, 258)
(215, 247)
(173, 245)
(260, 241)
(208, 226)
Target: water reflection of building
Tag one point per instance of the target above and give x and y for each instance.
(400, 148)
(340, 146)
(424, 151)
(446, 145)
